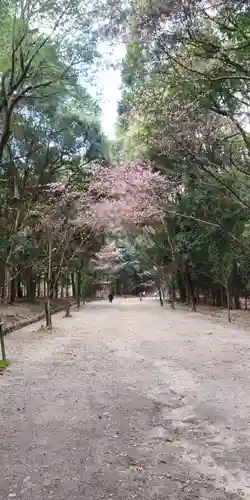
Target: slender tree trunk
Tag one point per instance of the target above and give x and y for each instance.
(160, 293)
(188, 298)
(218, 297)
(39, 286)
(78, 289)
(7, 285)
(161, 296)
(181, 287)
(48, 288)
(13, 290)
(73, 285)
(52, 285)
(174, 292)
(221, 296)
(56, 290)
(237, 302)
(228, 305)
(190, 289)
(62, 286)
(67, 308)
(19, 290)
(171, 295)
(31, 289)
(2, 341)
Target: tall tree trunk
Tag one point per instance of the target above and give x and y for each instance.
(62, 282)
(228, 304)
(48, 288)
(161, 296)
(78, 289)
(67, 308)
(19, 290)
(221, 296)
(158, 285)
(181, 286)
(56, 290)
(39, 286)
(13, 290)
(73, 284)
(7, 285)
(237, 301)
(31, 288)
(2, 341)
(171, 294)
(190, 289)
(218, 297)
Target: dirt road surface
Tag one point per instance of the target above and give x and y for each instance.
(126, 401)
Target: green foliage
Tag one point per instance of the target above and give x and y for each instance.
(50, 134)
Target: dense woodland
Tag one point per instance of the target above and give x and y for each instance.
(50, 134)
(185, 108)
(167, 202)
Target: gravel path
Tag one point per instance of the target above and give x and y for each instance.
(126, 401)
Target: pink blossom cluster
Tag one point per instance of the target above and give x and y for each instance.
(127, 196)
(107, 257)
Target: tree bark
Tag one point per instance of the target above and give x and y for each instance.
(181, 287)
(19, 290)
(13, 290)
(2, 342)
(190, 289)
(39, 287)
(228, 305)
(62, 285)
(48, 316)
(73, 285)
(31, 289)
(161, 296)
(7, 285)
(78, 289)
(236, 301)
(67, 308)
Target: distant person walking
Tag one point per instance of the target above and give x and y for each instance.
(111, 296)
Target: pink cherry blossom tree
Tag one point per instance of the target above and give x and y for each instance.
(127, 197)
(107, 257)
